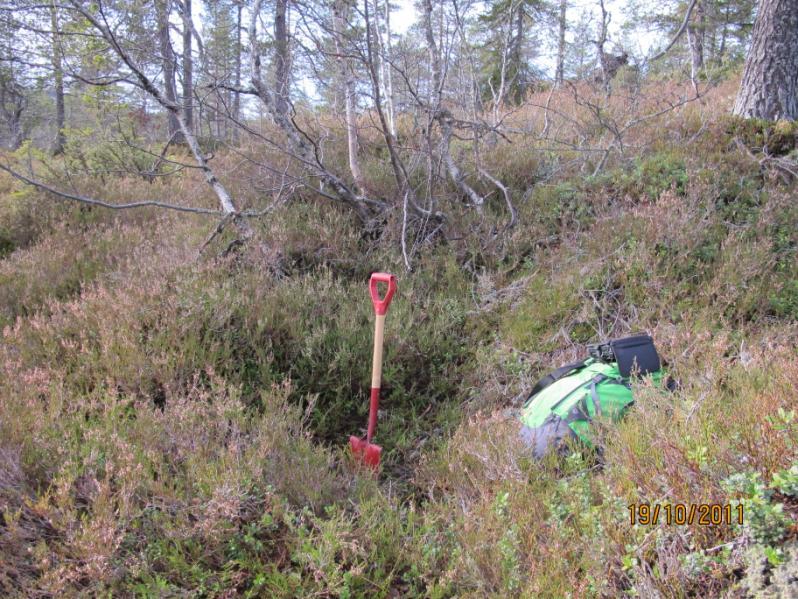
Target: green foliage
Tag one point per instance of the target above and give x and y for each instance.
(784, 302)
(786, 481)
(506, 62)
(776, 138)
(546, 304)
(765, 520)
(665, 170)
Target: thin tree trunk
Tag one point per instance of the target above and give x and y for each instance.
(602, 55)
(712, 19)
(340, 10)
(386, 85)
(282, 63)
(389, 104)
(13, 117)
(380, 51)
(12, 105)
(441, 114)
(299, 144)
(397, 165)
(237, 94)
(769, 88)
(695, 40)
(58, 79)
(563, 23)
(17, 133)
(168, 63)
(725, 32)
(518, 85)
(188, 67)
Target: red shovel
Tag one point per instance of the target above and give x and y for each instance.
(363, 449)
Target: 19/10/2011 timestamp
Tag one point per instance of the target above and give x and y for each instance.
(702, 514)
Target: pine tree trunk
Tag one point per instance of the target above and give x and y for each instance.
(237, 94)
(769, 88)
(58, 77)
(695, 39)
(560, 75)
(168, 63)
(281, 57)
(518, 85)
(188, 67)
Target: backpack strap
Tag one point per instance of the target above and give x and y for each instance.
(556, 375)
(594, 394)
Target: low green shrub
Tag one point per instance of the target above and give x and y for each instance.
(657, 173)
(776, 138)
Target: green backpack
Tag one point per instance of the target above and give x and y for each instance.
(563, 404)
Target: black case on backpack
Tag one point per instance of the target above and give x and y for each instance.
(635, 354)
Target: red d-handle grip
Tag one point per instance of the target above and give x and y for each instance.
(381, 305)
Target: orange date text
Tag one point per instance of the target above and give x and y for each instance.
(701, 514)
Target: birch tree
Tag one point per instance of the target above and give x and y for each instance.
(346, 75)
(58, 83)
(440, 114)
(562, 25)
(162, 11)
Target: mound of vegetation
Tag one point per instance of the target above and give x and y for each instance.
(176, 424)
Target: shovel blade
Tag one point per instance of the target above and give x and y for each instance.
(367, 453)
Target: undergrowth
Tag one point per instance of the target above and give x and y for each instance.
(176, 424)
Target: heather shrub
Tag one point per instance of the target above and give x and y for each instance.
(150, 499)
(24, 216)
(659, 172)
(506, 516)
(175, 423)
(60, 265)
(149, 342)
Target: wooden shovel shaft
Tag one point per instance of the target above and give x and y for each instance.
(376, 367)
(376, 375)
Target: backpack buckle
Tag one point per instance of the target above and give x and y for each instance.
(601, 352)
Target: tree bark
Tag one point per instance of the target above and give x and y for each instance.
(518, 85)
(602, 55)
(300, 145)
(441, 114)
(347, 80)
(282, 59)
(168, 64)
(383, 45)
(389, 104)
(58, 79)
(560, 74)
(188, 67)
(237, 58)
(769, 88)
(695, 39)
